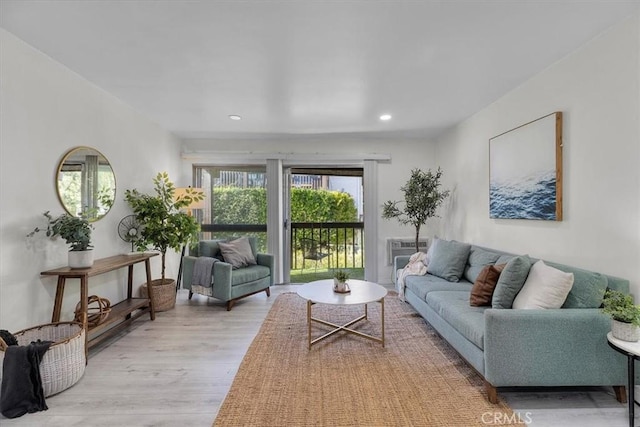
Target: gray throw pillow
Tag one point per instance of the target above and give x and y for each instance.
(449, 259)
(238, 253)
(511, 281)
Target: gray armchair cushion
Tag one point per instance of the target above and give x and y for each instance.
(238, 253)
(249, 274)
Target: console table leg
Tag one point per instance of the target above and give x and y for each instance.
(382, 314)
(152, 310)
(57, 306)
(84, 301)
(129, 286)
(309, 322)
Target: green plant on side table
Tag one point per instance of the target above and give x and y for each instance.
(340, 281)
(164, 227)
(76, 231)
(625, 315)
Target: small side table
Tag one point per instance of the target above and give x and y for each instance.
(632, 351)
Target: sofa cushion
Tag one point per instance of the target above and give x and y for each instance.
(449, 259)
(545, 287)
(422, 285)
(238, 252)
(209, 248)
(478, 259)
(503, 259)
(511, 281)
(244, 275)
(485, 285)
(588, 287)
(453, 307)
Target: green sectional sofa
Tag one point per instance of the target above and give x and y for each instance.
(523, 347)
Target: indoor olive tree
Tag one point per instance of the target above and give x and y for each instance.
(422, 196)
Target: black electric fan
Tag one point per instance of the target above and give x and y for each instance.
(130, 230)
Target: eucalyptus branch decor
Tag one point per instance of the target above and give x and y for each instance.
(422, 196)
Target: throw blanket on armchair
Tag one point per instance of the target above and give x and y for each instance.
(202, 270)
(21, 390)
(415, 267)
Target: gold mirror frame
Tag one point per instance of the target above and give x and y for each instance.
(85, 183)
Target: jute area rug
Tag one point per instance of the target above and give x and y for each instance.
(346, 380)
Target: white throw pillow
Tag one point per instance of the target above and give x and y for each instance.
(545, 287)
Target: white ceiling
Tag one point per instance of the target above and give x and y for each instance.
(298, 68)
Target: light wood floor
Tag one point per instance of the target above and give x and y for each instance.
(176, 371)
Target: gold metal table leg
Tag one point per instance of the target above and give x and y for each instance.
(309, 321)
(345, 327)
(382, 314)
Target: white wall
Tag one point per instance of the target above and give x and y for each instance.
(45, 109)
(405, 155)
(598, 89)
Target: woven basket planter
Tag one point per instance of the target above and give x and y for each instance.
(164, 294)
(64, 362)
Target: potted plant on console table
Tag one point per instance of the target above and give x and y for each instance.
(625, 316)
(164, 227)
(76, 231)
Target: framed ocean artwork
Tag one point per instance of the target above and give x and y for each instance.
(525, 171)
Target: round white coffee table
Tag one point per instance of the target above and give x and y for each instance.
(362, 292)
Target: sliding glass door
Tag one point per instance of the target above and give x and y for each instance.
(326, 229)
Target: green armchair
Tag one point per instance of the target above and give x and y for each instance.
(228, 284)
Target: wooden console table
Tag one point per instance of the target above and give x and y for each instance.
(121, 313)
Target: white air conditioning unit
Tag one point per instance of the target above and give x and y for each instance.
(404, 246)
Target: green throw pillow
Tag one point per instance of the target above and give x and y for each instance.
(511, 281)
(588, 287)
(449, 259)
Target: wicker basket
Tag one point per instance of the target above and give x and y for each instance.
(164, 294)
(64, 362)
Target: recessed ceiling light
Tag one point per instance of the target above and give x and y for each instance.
(385, 117)
(235, 117)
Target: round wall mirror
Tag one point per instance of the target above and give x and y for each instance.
(86, 183)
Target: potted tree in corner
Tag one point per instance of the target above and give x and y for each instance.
(164, 227)
(422, 196)
(76, 231)
(625, 315)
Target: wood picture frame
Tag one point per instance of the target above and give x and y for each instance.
(525, 171)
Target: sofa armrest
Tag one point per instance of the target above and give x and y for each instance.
(222, 280)
(267, 260)
(556, 347)
(221, 277)
(399, 262)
